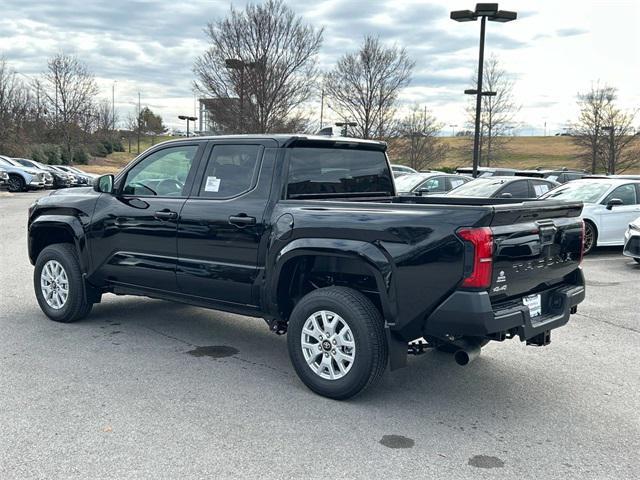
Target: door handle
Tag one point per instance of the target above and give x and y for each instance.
(242, 220)
(166, 214)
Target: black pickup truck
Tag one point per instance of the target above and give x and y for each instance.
(309, 234)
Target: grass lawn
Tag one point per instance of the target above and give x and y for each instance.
(521, 152)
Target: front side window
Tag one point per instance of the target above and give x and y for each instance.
(162, 174)
(626, 193)
(318, 171)
(230, 171)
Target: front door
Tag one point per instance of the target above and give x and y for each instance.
(134, 229)
(222, 224)
(614, 222)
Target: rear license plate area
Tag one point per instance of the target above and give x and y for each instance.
(534, 303)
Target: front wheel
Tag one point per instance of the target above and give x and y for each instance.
(16, 184)
(590, 237)
(336, 342)
(58, 284)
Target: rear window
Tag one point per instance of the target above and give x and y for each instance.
(318, 171)
(480, 187)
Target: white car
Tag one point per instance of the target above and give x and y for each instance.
(610, 204)
(400, 170)
(632, 240)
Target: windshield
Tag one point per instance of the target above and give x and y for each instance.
(479, 187)
(7, 161)
(407, 183)
(586, 192)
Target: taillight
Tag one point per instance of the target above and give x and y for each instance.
(582, 229)
(481, 242)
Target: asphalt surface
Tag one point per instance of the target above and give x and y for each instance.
(119, 395)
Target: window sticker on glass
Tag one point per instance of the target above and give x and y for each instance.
(541, 189)
(212, 185)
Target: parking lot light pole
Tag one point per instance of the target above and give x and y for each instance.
(483, 11)
(187, 118)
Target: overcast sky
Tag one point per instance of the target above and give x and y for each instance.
(555, 48)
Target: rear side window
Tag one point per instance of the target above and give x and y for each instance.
(456, 182)
(231, 170)
(540, 188)
(317, 171)
(519, 189)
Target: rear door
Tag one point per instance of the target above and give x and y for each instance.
(222, 223)
(614, 222)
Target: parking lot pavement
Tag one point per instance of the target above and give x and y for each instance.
(126, 393)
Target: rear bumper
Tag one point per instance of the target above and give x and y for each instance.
(467, 313)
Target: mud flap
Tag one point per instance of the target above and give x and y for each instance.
(397, 350)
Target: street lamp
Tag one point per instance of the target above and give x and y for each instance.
(611, 167)
(187, 118)
(483, 11)
(345, 126)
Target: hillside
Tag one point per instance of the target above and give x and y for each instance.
(522, 152)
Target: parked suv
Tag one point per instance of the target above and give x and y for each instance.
(563, 175)
(22, 178)
(60, 179)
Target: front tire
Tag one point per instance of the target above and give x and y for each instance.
(336, 342)
(16, 184)
(590, 237)
(58, 284)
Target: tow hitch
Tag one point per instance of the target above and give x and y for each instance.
(541, 340)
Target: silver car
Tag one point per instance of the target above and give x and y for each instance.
(632, 240)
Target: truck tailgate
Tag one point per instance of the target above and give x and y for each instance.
(536, 245)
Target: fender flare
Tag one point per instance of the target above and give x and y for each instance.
(71, 225)
(373, 257)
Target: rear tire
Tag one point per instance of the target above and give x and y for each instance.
(16, 184)
(58, 284)
(590, 237)
(351, 357)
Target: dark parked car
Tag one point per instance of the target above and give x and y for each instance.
(561, 176)
(57, 179)
(309, 234)
(505, 187)
(487, 171)
(432, 183)
(83, 178)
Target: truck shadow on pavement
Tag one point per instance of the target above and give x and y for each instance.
(430, 381)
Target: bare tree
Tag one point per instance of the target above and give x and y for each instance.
(364, 86)
(69, 90)
(498, 111)
(606, 149)
(416, 139)
(263, 55)
(587, 131)
(17, 110)
(105, 116)
(614, 150)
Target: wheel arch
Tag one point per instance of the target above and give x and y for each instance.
(354, 256)
(51, 229)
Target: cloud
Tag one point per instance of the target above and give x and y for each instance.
(570, 32)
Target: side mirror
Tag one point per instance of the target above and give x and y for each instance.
(614, 202)
(104, 184)
(506, 195)
(422, 191)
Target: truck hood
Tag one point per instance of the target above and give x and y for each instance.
(82, 191)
